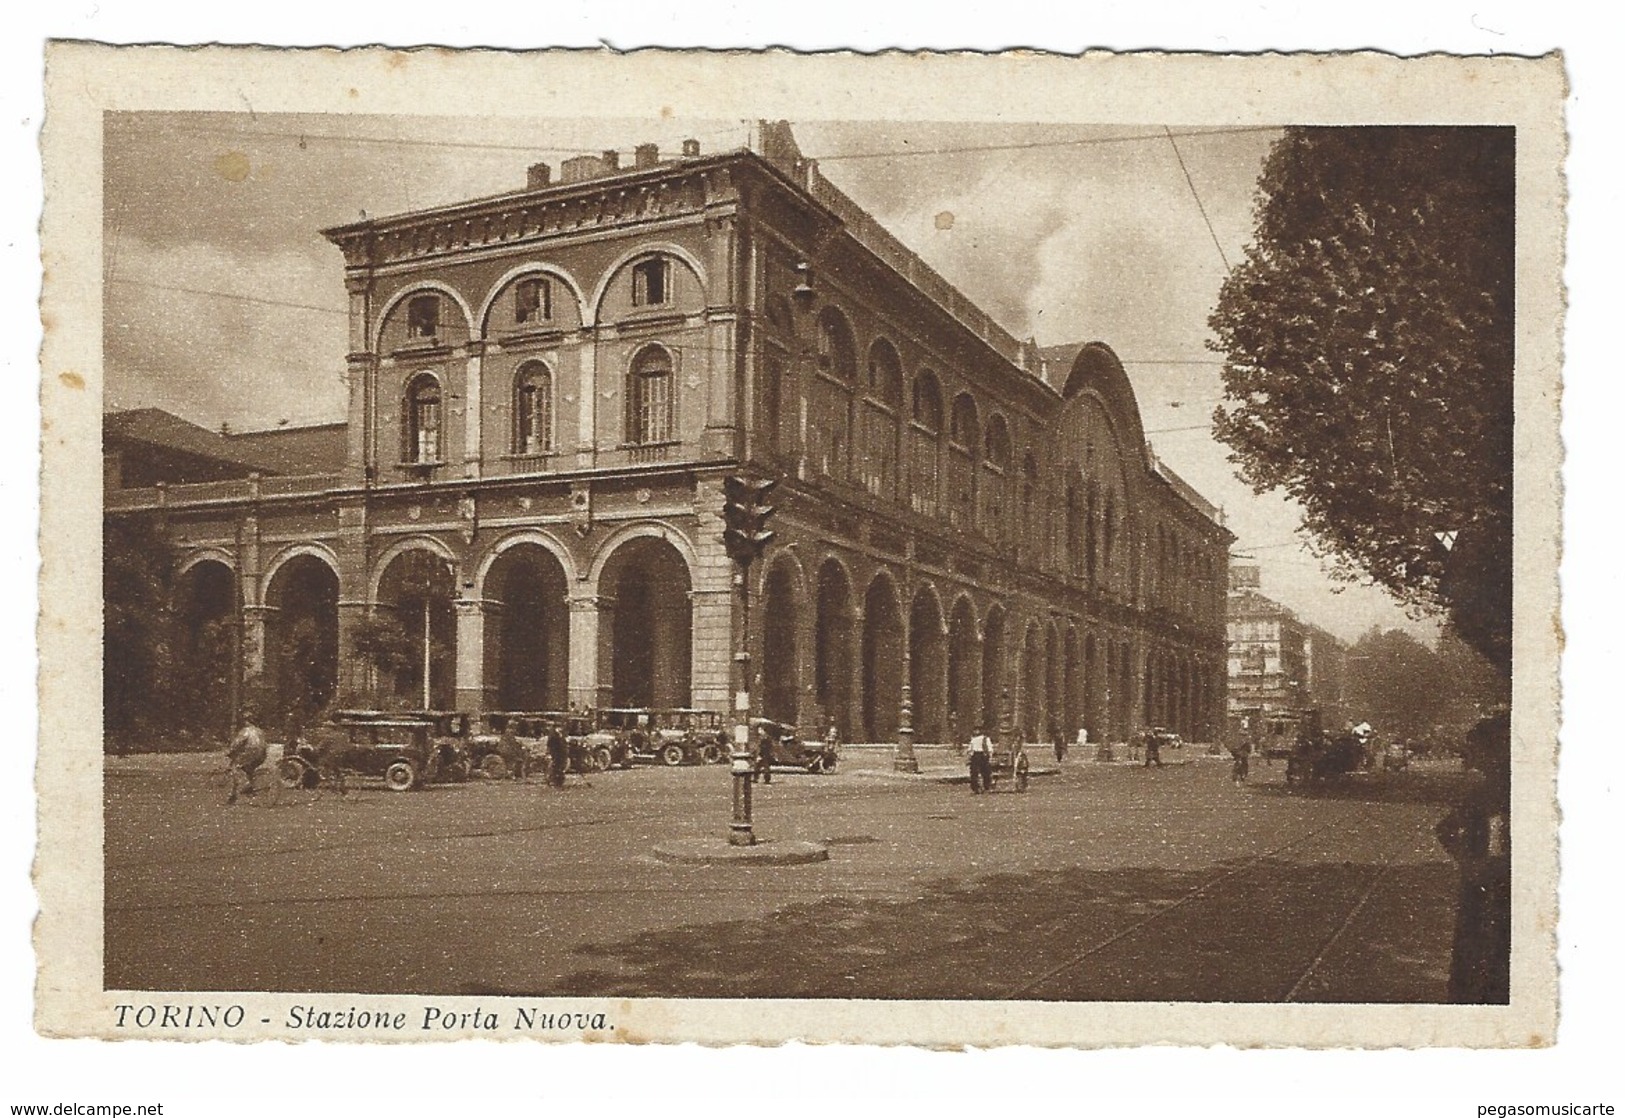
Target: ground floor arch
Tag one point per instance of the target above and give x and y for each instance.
(646, 640)
(964, 698)
(781, 637)
(411, 638)
(928, 667)
(302, 637)
(833, 664)
(882, 660)
(527, 629)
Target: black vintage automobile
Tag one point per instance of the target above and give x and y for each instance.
(399, 748)
(790, 750)
(1321, 757)
(667, 736)
(584, 753)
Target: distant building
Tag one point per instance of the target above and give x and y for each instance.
(1277, 661)
(546, 390)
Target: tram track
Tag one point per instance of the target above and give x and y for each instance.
(1215, 892)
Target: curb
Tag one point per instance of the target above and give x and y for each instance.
(717, 852)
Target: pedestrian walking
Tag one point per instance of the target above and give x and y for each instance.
(764, 755)
(1153, 748)
(1060, 741)
(1477, 834)
(1082, 742)
(981, 762)
(244, 756)
(558, 756)
(1239, 753)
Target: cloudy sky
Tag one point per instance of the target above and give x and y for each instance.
(225, 305)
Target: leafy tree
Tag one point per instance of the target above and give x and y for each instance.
(137, 646)
(1368, 344)
(1395, 682)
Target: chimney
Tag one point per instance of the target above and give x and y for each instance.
(691, 148)
(645, 155)
(579, 169)
(612, 162)
(538, 176)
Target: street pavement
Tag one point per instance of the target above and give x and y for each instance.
(1101, 882)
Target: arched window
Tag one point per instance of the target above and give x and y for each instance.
(924, 452)
(533, 409)
(649, 398)
(837, 355)
(1029, 494)
(885, 374)
(964, 442)
(996, 460)
(927, 402)
(421, 430)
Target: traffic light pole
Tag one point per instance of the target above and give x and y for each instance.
(745, 533)
(739, 831)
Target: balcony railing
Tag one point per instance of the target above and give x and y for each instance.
(218, 492)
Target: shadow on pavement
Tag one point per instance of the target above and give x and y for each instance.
(1271, 928)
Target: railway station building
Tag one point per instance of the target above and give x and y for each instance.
(546, 390)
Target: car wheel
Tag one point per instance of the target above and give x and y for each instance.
(458, 771)
(494, 766)
(711, 754)
(672, 755)
(603, 758)
(292, 772)
(400, 776)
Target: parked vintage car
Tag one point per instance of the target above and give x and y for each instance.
(399, 748)
(585, 752)
(453, 738)
(790, 750)
(667, 736)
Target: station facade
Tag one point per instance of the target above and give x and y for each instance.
(546, 391)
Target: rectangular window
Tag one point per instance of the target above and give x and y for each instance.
(423, 316)
(428, 431)
(533, 301)
(649, 286)
(652, 410)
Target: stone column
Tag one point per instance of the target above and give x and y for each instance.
(711, 643)
(354, 675)
(474, 410)
(471, 687)
(586, 406)
(591, 667)
(254, 645)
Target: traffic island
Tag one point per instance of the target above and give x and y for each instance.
(718, 852)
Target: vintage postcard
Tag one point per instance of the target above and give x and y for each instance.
(738, 547)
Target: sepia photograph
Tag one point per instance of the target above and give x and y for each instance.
(567, 573)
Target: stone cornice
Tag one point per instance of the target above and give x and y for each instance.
(688, 187)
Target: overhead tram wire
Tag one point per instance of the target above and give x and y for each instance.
(903, 153)
(1200, 208)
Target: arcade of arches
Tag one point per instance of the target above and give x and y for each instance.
(871, 650)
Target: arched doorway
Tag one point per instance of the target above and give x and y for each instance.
(882, 660)
(206, 650)
(1030, 724)
(833, 659)
(927, 660)
(646, 587)
(993, 674)
(302, 638)
(964, 672)
(527, 630)
(412, 639)
(781, 666)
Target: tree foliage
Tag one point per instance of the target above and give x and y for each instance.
(1368, 345)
